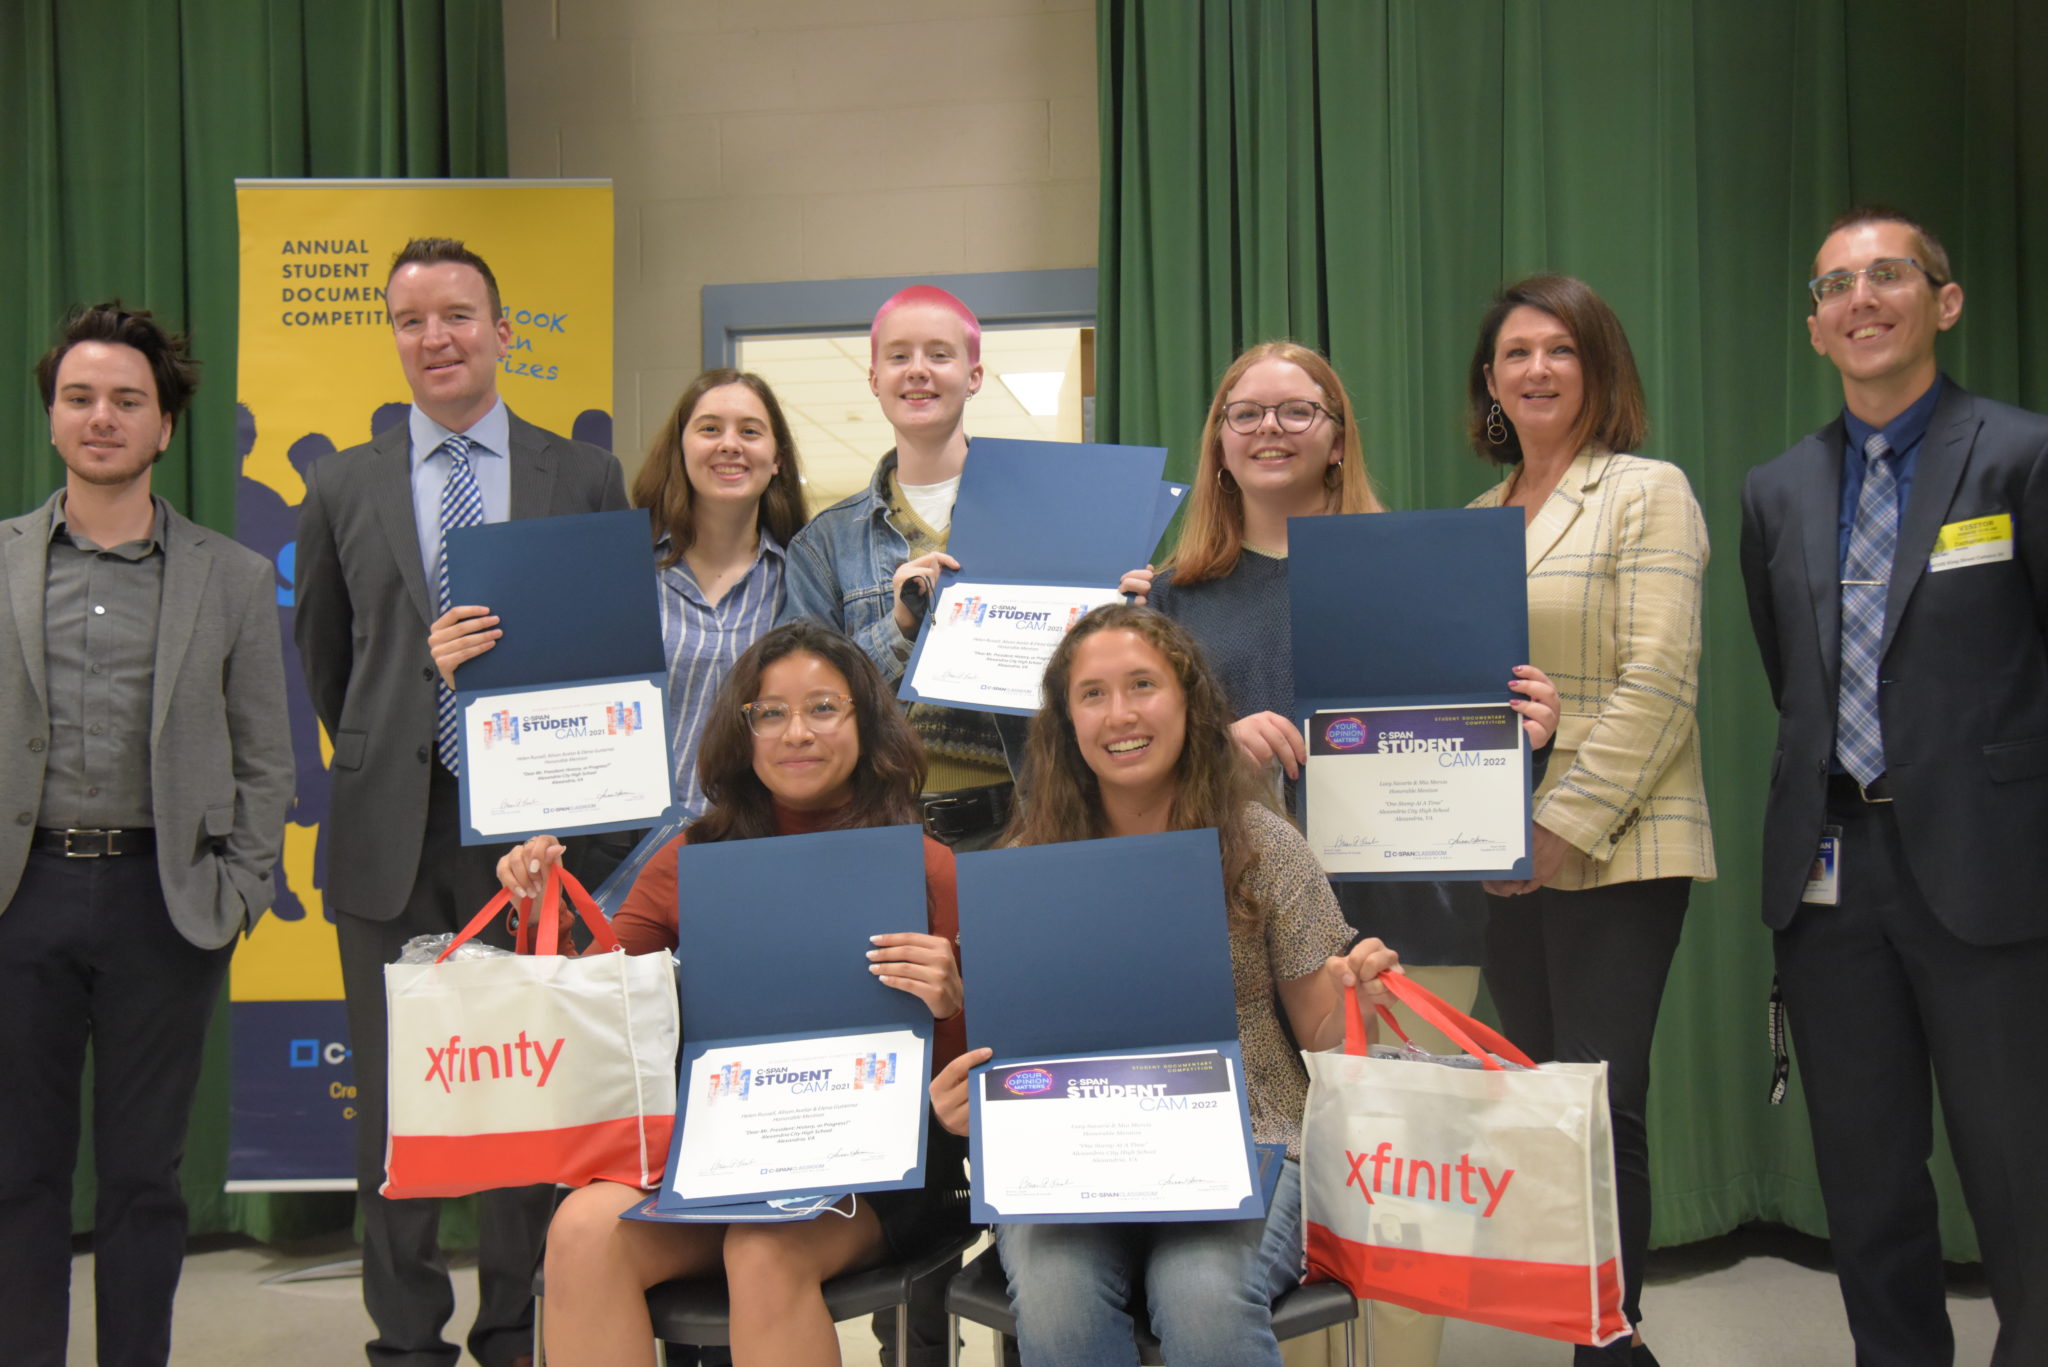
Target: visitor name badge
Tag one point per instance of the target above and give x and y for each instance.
(1824, 878)
(1979, 541)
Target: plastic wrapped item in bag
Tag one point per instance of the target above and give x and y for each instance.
(426, 949)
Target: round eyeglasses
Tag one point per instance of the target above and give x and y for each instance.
(1295, 415)
(821, 712)
(1888, 274)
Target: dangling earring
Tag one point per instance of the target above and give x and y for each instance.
(1222, 478)
(1496, 429)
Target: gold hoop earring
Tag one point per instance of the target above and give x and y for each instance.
(1496, 427)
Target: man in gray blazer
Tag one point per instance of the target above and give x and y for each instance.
(148, 768)
(369, 551)
(1897, 568)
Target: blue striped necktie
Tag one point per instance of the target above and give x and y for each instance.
(462, 505)
(1866, 577)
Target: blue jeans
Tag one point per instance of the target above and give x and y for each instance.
(1210, 1286)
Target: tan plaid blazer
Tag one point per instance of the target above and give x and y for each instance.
(1617, 562)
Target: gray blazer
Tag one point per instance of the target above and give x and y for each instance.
(361, 624)
(220, 747)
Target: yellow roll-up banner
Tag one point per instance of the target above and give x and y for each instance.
(319, 373)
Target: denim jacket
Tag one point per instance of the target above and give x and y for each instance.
(840, 570)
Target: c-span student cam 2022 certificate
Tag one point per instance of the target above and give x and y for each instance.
(1112, 1137)
(1433, 789)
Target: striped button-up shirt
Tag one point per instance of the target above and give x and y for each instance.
(701, 641)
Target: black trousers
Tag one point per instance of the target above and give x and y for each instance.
(88, 954)
(1578, 977)
(1884, 1002)
(405, 1278)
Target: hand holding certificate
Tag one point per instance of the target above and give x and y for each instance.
(1117, 1086)
(1042, 531)
(801, 1073)
(561, 724)
(1417, 767)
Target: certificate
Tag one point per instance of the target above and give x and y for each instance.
(767, 1118)
(1429, 652)
(560, 724)
(988, 644)
(1417, 789)
(568, 760)
(1130, 1136)
(1032, 520)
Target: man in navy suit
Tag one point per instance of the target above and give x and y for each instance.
(1897, 571)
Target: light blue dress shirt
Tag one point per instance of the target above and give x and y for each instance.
(490, 458)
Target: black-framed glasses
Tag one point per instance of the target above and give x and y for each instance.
(1295, 415)
(1887, 274)
(821, 712)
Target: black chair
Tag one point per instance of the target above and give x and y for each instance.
(696, 1311)
(981, 1295)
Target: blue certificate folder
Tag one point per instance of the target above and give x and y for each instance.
(1397, 609)
(772, 942)
(578, 603)
(1052, 512)
(1096, 948)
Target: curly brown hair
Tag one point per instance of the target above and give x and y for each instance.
(886, 779)
(1213, 784)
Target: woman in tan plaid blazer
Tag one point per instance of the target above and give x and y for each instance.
(1577, 956)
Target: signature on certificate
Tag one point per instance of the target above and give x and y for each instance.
(1462, 839)
(852, 1156)
(1042, 1184)
(1355, 842)
(619, 795)
(505, 806)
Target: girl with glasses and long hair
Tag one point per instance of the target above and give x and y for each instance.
(1280, 441)
(803, 737)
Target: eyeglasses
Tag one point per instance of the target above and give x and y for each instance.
(821, 712)
(1295, 415)
(1888, 274)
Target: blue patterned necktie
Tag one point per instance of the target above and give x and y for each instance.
(1866, 577)
(462, 505)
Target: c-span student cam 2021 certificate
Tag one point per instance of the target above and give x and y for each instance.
(566, 759)
(1433, 789)
(988, 644)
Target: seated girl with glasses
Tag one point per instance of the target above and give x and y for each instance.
(804, 737)
(1134, 738)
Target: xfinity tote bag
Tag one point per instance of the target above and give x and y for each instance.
(1478, 1188)
(534, 1067)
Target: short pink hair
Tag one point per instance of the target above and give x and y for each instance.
(926, 294)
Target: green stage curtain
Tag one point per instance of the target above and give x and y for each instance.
(1362, 174)
(128, 122)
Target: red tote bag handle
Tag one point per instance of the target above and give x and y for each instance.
(546, 938)
(1476, 1038)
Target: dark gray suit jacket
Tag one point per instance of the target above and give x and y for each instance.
(220, 750)
(363, 613)
(1963, 692)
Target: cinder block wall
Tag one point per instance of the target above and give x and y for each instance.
(753, 140)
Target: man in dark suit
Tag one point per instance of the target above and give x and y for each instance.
(148, 768)
(369, 552)
(1897, 569)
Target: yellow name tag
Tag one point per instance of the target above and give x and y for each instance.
(1979, 541)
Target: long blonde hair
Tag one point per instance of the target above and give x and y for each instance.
(1212, 534)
